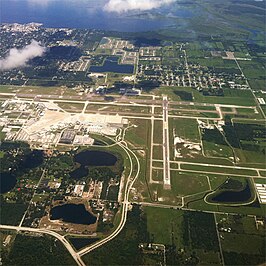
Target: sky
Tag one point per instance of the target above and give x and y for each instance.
(121, 6)
(116, 6)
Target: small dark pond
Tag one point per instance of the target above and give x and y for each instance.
(22, 164)
(91, 158)
(72, 213)
(32, 160)
(95, 158)
(7, 182)
(79, 243)
(111, 65)
(232, 196)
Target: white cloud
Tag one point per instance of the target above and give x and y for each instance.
(120, 6)
(20, 57)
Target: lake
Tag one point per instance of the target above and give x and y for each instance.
(32, 160)
(232, 196)
(91, 158)
(72, 213)
(21, 165)
(111, 65)
(95, 158)
(7, 182)
(81, 14)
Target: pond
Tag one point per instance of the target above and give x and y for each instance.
(7, 182)
(95, 158)
(32, 160)
(20, 165)
(231, 196)
(111, 65)
(72, 213)
(91, 158)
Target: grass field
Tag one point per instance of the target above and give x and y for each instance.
(36, 90)
(244, 238)
(140, 134)
(163, 196)
(179, 230)
(122, 109)
(243, 243)
(71, 107)
(170, 221)
(183, 184)
(158, 132)
(263, 173)
(157, 152)
(157, 175)
(249, 156)
(217, 150)
(216, 180)
(255, 73)
(186, 129)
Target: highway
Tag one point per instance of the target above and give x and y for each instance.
(61, 238)
(77, 255)
(130, 181)
(133, 160)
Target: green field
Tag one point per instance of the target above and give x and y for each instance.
(71, 107)
(217, 150)
(186, 128)
(183, 233)
(245, 238)
(183, 184)
(158, 132)
(170, 221)
(139, 135)
(157, 175)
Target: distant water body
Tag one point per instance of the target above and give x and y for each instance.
(87, 14)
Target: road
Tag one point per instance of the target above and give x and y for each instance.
(166, 153)
(118, 101)
(257, 102)
(180, 207)
(130, 181)
(152, 133)
(61, 238)
(219, 240)
(132, 158)
(77, 255)
(179, 163)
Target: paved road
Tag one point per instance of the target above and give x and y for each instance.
(166, 159)
(77, 255)
(214, 165)
(61, 238)
(151, 147)
(118, 101)
(219, 166)
(130, 181)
